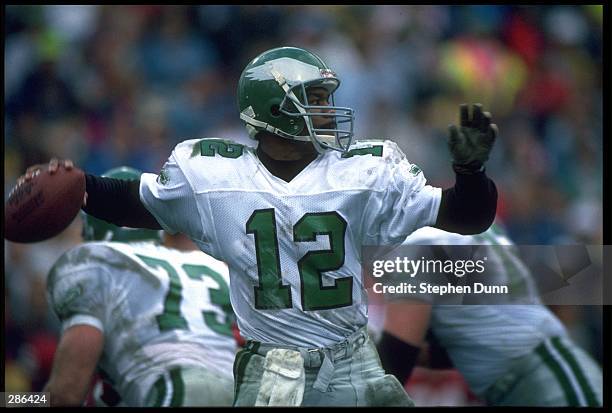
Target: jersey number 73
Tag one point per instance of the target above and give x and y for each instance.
(172, 318)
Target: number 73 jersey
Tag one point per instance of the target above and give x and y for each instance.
(293, 248)
(157, 308)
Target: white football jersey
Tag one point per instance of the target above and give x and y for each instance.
(483, 340)
(157, 307)
(293, 248)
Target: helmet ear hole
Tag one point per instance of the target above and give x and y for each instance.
(275, 111)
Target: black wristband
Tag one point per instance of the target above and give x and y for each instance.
(469, 168)
(469, 207)
(438, 356)
(397, 357)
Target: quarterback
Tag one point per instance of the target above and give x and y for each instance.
(156, 321)
(290, 217)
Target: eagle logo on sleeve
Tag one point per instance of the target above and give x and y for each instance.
(415, 170)
(163, 177)
(65, 300)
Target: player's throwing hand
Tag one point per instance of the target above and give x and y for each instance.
(471, 144)
(52, 167)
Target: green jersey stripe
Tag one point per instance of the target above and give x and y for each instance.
(557, 370)
(588, 392)
(160, 390)
(178, 387)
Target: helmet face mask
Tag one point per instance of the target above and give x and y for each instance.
(95, 229)
(273, 97)
(339, 133)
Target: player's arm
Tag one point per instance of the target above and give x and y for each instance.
(405, 326)
(117, 201)
(435, 356)
(113, 200)
(74, 364)
(81, 295)
(469, 206)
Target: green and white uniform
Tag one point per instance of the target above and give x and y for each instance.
(293, 248)
(512, 354)
(165, 315)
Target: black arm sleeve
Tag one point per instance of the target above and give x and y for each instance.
(469, 207)
(438, 356)
(117, 201)
(397, 357)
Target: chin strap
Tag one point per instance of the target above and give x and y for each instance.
(269, 128)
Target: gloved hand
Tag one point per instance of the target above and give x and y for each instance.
(471, 144)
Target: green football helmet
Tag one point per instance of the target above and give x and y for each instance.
(272, 97)
(95, 229)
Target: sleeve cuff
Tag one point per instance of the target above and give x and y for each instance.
(81, 319)
(143, 198)
(435, 208)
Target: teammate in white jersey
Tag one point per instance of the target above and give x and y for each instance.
(510, 354)
(290, 218)
(155, 320)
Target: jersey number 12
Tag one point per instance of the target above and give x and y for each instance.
(271, 292)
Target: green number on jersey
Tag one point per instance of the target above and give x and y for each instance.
(372, 150)
(211, 147)
(271, 293)
(218, 296)
(171, 318)
(314, 295)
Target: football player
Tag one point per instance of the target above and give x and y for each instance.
(290, 217)
(155, 321)
(515, 354)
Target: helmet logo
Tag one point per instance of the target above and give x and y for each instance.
(292, 70)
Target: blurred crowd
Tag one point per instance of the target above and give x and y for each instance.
(122, 85)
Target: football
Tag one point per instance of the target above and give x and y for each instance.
(44, 206)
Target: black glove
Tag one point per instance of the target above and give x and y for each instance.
(471, 144)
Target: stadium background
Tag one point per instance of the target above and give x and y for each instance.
(121, 85)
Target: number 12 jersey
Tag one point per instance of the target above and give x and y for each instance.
(293, 248)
